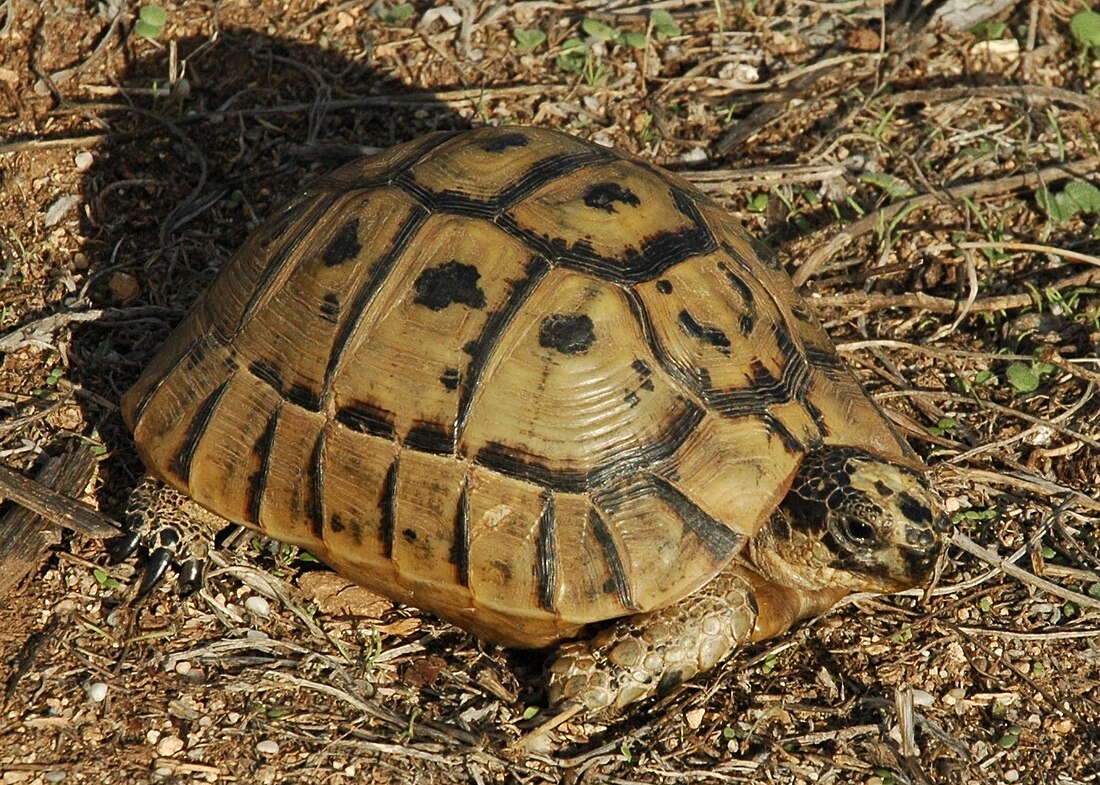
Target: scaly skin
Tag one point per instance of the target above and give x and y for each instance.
(641, 655)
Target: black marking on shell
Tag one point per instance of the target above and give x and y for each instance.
(303, 397)
(387, 506)
(450, 378)
(618, 581)
(546, 560)
(704, 332)
(299, 394)
(747, 320)
(449, 283)
(409, 535)
(330, 308)
(460, 545)
(818, 417)
(505, 141)
(336, 524)
(604, 196)
(514, 461)
(267, 374)
(641, 367)
(277, 257)
(367, 418)
(567, 333)
(776, 426)
(263, 449)
(344, 245)
(481, 348)
(826, 361)
(664, 286)
(315, 507)
(720, 541)
(658, 253)
(364, 295)
(431, 438)
(196, 429)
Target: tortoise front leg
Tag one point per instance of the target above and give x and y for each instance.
(640, 656)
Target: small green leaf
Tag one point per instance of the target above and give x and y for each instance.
(904, 636)
(1083, 194)
(1085, 26)
(758, 203)
(104, 580)
(769, 663)
(664, 24)
(989, 31)
(1022, 378)
(397, 14)
(1048, 552)
(572, 57)
(982, 377)
(729, 733)
(943, 426)
(1070, 610)
(985, 604)
(634, 39)
(599, 30)
(1058, 207)
(1010, 737)
(530, 712)
(529, 39)
(1038, 669)
(1094, 590)
(153, 15)
(894, 187)
(99, 449)
(146, 30)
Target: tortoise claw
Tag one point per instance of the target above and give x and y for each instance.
(190, 577)
(159, 561)
(121, 548)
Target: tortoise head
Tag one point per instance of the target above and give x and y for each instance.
(854, 520)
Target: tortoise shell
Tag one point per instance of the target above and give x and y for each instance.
(506, 375)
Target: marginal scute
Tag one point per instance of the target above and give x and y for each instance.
(515, 378)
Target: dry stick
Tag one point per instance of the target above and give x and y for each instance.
(56, 508)
(980, 189)
(927, 302)
(989, 557)
(1027, 91)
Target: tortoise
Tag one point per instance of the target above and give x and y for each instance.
(542, 389)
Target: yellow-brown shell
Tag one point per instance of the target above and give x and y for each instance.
(509, 376)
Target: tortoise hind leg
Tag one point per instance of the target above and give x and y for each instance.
(172, 529)
(639, 656)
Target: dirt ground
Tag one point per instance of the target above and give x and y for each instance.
(928, 186)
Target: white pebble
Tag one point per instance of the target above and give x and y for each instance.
(97, 691)
(183, 667)
(258, 606)
(84, 161)
(169, 746)
(268, 747)
(1012, 775)
(695, 155)
(55, 775)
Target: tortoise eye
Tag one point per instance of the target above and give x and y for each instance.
(857, 530)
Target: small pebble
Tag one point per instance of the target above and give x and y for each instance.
(97, 691)
(56, 775)
(258, 606)
(84, 161)
(268, 747)
(694, 718)
(1012, 775)
(183, 667)
(169, 746)
(695, 155)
